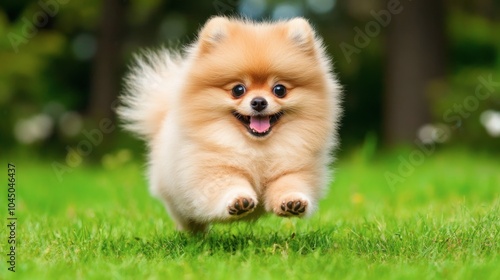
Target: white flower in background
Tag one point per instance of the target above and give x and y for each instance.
(491, 121)
(434, 133)
(36, 128)
(70, 123)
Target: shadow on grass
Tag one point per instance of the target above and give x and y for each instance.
(177, 244)
(416, 238)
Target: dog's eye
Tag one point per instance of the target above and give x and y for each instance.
(238, 91)
(279, 90)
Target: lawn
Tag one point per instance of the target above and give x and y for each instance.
(441, 221)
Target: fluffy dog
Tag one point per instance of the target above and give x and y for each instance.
(241, 123)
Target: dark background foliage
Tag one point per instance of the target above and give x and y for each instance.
(412, 71)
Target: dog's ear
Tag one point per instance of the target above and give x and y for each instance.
(213, 32)
(301, 33)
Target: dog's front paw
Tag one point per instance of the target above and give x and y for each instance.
(293, 205)
(241, 205)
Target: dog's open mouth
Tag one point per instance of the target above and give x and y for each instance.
(258, 125)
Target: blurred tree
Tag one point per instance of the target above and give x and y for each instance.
(416, 56)
(105, 75)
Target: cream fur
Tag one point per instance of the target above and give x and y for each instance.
(202, 160)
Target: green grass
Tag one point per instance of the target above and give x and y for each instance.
(101, 223)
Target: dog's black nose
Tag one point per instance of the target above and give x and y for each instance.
(258, 104)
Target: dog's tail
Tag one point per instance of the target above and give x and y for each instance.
(149, 90)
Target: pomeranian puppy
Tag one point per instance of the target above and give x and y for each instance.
(241, 123)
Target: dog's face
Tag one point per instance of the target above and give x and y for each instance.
(259, 106)
(260, 81)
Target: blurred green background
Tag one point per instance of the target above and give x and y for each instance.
(413, 72)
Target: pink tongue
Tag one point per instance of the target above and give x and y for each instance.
(260, 124)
